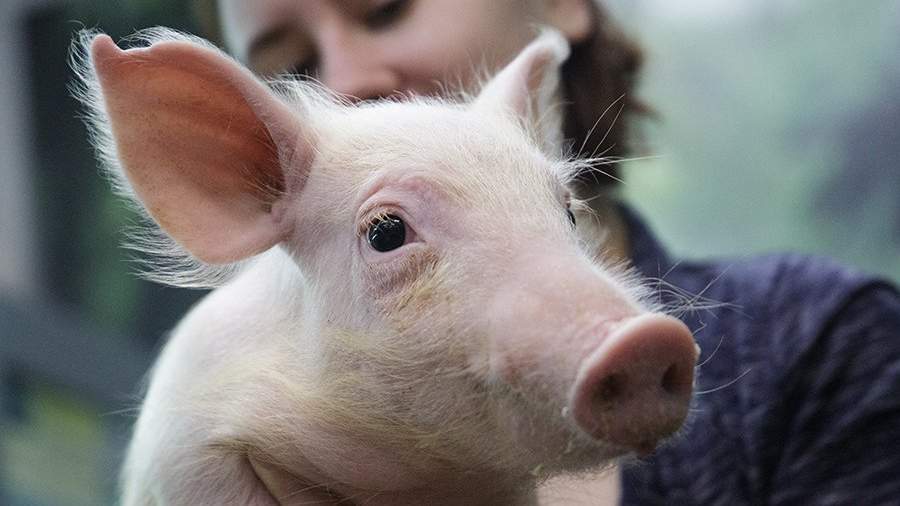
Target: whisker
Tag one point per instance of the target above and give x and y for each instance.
(594, 126)
(713, 353)
(726, 385)
(611, 125)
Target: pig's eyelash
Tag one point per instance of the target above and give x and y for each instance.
(370, 218)
(377, 214)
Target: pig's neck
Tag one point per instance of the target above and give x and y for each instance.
(289, 489)
(596, 489)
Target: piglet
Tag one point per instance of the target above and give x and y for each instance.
(405, 310)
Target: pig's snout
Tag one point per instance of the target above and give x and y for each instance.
(635, 389)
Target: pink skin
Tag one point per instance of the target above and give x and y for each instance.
(553, 364)
(625, 376)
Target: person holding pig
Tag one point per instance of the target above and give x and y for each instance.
(798, 391)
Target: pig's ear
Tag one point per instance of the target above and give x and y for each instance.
(202, 143)
(528, 87)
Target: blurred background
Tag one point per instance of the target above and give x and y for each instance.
(778, 130)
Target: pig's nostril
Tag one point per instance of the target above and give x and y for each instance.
(618, 388)
(610, 389)
(670, 381)
(678, 380)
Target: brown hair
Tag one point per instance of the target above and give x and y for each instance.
(206, 15)
(599, 81)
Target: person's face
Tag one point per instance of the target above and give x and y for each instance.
(373, 48)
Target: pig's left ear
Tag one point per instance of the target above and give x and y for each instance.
(528, 88)
(207, 148)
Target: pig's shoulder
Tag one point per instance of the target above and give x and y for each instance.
(212, 356)
(262, 290)
(239, 318)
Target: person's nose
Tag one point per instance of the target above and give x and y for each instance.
(355, 66)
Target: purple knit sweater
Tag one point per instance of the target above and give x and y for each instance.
(798, 391)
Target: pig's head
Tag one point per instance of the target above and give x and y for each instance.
(457, 319)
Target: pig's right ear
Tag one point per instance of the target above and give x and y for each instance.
(528, 88)
(203, 144)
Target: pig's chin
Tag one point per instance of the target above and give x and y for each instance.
(549, 443)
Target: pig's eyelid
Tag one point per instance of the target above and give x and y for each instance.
(368, 219)
(377, 213)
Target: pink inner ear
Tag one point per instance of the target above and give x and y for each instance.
(524, 96)
(188, 132)
(527, 86)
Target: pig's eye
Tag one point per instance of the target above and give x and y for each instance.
(571, 216)
(386, 233)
